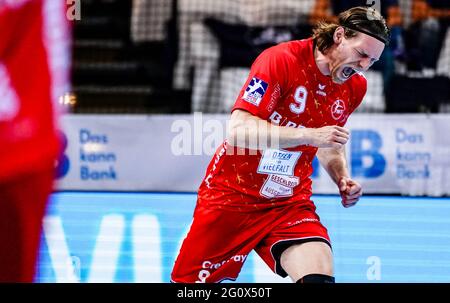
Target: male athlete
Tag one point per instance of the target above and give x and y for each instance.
(34, 71)
(305, 92)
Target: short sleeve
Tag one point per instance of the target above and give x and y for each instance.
(359, 89)
(264, 85)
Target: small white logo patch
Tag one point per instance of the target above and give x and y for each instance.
(337, 109)
(255, 91)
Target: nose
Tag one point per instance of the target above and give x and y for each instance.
(365, 63)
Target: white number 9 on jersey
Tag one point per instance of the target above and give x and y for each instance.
(300, 100)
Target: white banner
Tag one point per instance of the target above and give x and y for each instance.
(406, 154)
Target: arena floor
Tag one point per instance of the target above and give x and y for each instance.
(135, 237)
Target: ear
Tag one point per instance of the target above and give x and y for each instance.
(338, 35)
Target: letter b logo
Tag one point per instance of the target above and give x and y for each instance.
(63, 163)
(366, 145)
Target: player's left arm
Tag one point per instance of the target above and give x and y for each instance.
(335, 163)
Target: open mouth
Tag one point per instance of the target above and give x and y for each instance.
(348, 72)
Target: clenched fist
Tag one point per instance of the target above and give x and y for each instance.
(350, 191)
(328, 136)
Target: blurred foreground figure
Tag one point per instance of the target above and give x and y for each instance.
(34, 61)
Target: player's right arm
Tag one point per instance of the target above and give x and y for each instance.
(249, 131)
(267, 80)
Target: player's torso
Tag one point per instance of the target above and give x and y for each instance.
(310, 99)
(306, 99)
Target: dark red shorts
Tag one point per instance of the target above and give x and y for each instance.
(219, 241)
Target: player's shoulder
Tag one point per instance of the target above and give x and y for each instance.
(357, 85)
(283, 56)
(359, 77)
(358, 82)
(288, 51)
(292, 49)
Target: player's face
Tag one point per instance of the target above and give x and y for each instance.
(354, 54)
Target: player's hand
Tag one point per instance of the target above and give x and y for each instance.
(350, 191)
(328, 136)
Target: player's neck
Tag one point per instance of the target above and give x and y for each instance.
(322, 62)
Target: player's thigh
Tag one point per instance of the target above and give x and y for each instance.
(313, 257)
(216, 246)
(299, 226)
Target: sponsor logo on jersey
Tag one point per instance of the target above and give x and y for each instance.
(304, 220)
(274, 97)
(216, 161)
(338, 109)
(277, 119)
(255, 91)
(320, 90)
(276, 161)
(277, 186)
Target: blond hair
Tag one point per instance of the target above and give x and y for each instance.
(357, 19)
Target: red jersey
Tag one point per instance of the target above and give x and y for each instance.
(34, 71)
(286, 88)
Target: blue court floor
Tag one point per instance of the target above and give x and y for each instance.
(135, 237)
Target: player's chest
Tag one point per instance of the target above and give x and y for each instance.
(311, 103)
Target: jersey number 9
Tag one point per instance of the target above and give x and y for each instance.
(300, 100)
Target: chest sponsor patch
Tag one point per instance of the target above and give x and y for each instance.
(277, 186)
(279, 162)
(255, 91)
